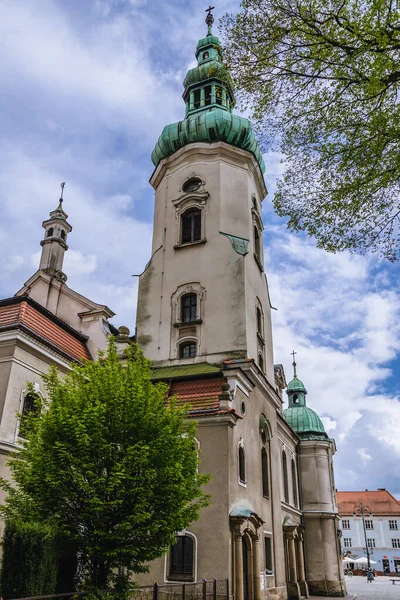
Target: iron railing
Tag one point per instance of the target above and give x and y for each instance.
(214, 589)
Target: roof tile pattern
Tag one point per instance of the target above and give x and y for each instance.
(381, 502)
(22, 313)
(201, 394)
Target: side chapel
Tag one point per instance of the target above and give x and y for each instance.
(204, 319)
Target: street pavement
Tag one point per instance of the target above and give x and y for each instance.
(379, 589)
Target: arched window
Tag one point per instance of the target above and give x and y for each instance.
(242, 465)
(294, 485)
(206, 55)
(62, 234)
(259, 321)
(30, 405)
(188, 350)
(189, 308)
(285, 478)
(181, 559)
(207, 95)
(264, 473)
(257, 243)
(191, 226)
(196, 97)
(50, 232)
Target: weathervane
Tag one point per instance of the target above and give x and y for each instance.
(209, 18)
(62, 186)
(294, 363)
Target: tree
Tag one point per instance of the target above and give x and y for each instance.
(111, 464)
(322, 79)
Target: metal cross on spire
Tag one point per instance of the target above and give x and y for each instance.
(209, 18)
(294, 363)
(62, 186)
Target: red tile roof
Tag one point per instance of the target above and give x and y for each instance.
(24, 312)
(201, 394)
(381, 502)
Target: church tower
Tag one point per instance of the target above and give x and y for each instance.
(320, 511)
(203, 296)
(54, 243)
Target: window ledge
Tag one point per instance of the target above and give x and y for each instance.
(242, 483)
(188, 578)
(187, 244)
(188, 323)
(259, 263)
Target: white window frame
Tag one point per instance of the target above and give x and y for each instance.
(345, 523)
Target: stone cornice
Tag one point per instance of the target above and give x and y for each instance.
(242, 158)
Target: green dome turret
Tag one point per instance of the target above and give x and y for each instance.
(302, 419)
(209, 99)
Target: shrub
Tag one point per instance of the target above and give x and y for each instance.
(29, 566)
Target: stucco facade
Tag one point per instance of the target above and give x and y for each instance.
(204, 315)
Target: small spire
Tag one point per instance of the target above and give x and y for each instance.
(209, 19)
(294, 363)
(62, 186)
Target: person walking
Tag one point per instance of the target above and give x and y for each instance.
(370, 576)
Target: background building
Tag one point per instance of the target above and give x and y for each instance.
(382, 527)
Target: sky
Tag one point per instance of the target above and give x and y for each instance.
(86, 88)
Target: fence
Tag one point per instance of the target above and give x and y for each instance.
(214, 589)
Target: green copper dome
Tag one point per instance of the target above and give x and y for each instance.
(305, 422)
(302, 419)
(296, 384)
(209, 101)
(216, 125)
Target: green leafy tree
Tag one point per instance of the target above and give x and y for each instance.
(111, 464)
(322, 79)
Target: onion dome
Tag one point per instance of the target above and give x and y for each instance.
(209, 100)
(302, 419)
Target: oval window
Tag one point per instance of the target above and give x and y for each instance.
(192, 184)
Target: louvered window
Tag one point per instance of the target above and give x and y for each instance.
(191, 226)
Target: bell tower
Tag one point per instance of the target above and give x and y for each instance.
(203, 296)
(54, 244)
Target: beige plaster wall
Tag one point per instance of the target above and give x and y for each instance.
(231, 281)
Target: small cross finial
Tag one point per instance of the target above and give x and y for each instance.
(294, 363)
(62, 186)
(209, 18)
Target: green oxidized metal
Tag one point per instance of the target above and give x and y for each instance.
(209, 100)
(302, 419)
(215, 125)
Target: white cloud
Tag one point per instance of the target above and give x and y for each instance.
(363, 454)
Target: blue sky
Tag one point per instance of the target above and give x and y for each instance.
(86, 88)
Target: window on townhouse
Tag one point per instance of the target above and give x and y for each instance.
(345, 523)
(393, 524)
(371, 542)
(369, 524)
(269, 565)
(347, 542)
(395, 542)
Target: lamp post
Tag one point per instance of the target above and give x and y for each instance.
(362, 510)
